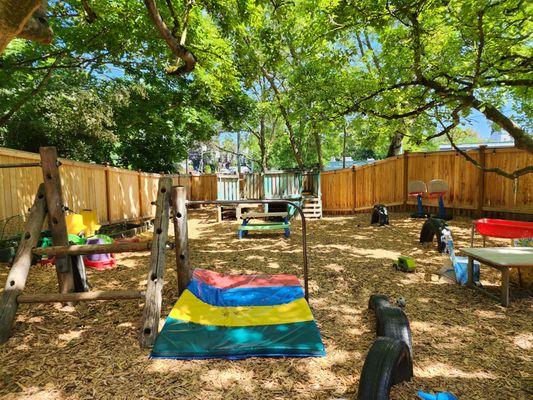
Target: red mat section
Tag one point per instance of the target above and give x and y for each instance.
(230, 281)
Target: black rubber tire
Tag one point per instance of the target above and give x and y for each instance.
(427, 233)
(386, 364)
(377, 301)
(393, 323)
(374, 219)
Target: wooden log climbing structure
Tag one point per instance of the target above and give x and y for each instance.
(49, 203)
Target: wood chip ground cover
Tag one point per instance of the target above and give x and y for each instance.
(464, 341)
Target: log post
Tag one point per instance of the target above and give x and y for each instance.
(56, 215)
(152, 304)
(76, 250)
(481, 179)
(16, 279)
(405, 178)
(181, 237)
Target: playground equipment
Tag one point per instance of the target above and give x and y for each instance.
(434, 227)
(90, 220)
(418, 189)
(284, 225)
(49, 203)
(235, 333)
(437, 188)
(501, 228)
(405, 264)
(100, 261)
(239, 316)
(457, 267)
(75, 224)
(269, 186)
(10, 234)
(390, 359)
(379, 215)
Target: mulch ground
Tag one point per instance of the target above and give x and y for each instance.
(464, 341)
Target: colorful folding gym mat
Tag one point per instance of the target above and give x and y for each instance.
(240, 316)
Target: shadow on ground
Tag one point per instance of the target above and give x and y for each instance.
(464, 342)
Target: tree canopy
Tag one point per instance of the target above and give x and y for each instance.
(137, 84)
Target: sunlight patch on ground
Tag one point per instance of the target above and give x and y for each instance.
(489, 314)
(222, 379)
(334, 267)
(69, 336)
(377, 253)
(524, 340)
(35, 393)
(273, 264)
(437, 369)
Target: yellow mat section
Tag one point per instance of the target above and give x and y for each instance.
(190, 308)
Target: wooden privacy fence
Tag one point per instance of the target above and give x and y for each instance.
(117, 195)
(385, 182)
(120, 195)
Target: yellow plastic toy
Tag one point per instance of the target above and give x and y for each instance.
(90, 219)
(75, 224)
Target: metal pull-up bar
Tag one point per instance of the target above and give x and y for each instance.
(277, 201)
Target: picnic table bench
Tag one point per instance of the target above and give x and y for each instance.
(264, 226)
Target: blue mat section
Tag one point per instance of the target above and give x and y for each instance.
(247, 296)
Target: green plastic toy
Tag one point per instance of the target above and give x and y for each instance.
(405, 264)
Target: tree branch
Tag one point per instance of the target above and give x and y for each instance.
(177, 48)
(513, 175)
(90, 15)
(18, 105)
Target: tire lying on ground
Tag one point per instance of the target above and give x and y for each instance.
(393, 323)
(377, 301)
(387, 363)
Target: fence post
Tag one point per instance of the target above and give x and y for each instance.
(354, 185)
(107, 193)
(140, 185)
(405, 178)
(481, 179)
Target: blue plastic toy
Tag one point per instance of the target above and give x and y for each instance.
(437, 396)
(460, 264)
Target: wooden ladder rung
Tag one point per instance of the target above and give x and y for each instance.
(81, 296)
(93, 249)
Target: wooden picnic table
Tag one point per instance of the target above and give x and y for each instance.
(253, 214)
(502, 259)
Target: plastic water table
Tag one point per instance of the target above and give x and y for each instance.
(501, 228)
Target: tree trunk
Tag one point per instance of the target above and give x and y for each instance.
(344, 147)
(285, 115)
(262, 144)
(395, 144)
(177, 48)
(37, 28)
(318, 143)
(14, 14)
